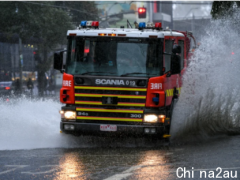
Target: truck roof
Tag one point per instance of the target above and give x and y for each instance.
(145, 33)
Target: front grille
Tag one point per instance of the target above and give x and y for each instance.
(127, 96)
(129, 107)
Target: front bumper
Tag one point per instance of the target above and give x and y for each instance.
(122, 129)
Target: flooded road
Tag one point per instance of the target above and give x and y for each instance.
(127, 163)
(31, 146)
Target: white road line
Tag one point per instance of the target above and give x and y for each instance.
(42, 172)
(124, 174)
(14, 168)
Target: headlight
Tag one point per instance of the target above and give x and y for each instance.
(150, 118)
(70, 115)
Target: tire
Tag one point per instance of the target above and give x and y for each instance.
(169, 114)
(173, 104)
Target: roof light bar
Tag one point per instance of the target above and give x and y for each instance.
(89, 24)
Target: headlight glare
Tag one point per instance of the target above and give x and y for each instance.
(70, 115)
(150, 118)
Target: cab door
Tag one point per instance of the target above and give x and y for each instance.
(171, 82)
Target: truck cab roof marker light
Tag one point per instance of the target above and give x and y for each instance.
(111, 34)
(150, 36)
(121, 35)
(102, 34)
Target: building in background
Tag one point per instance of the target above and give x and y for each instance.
(194, 16)
(9, 57)
(191, 16)
(116, 13)
(161, 11)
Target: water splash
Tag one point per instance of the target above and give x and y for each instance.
(209, 103)
(30, 124)
(34, 124)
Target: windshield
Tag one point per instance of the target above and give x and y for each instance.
(114, 56)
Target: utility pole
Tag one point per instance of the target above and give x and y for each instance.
(192, 23)
(20, 64)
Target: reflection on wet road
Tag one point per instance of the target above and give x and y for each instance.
(125, 163)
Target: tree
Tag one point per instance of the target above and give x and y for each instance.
(221, 8)
(40, 20)
(46, 21)
(79, 10)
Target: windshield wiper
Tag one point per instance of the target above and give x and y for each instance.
(95, 72)
(134, 73)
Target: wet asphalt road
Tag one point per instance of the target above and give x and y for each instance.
(160, 162)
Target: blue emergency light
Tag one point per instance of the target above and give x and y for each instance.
(83, 23)
(141, 25)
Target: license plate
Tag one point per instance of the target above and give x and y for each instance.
(106, 127)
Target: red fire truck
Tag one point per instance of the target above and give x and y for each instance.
(121, 81)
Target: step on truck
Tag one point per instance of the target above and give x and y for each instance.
(121, 81)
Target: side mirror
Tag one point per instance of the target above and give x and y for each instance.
(176, 49)
(58, 60)
(175, 64)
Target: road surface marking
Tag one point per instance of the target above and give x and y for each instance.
(14, 168)
(124, 174)
(43, 172)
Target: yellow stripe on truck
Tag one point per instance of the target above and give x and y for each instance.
(109, 119)
(119, 103)
(169, 92)
(110, 110)
(110, 88)
(108, 95)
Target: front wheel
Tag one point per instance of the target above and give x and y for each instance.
(169, 116)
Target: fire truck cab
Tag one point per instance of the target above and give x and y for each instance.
(121, 81)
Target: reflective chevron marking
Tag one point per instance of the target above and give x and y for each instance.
(169, 92)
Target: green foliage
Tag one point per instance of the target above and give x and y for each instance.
(28, 19)
(79, 10)
(222, 8)
(47, 21)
